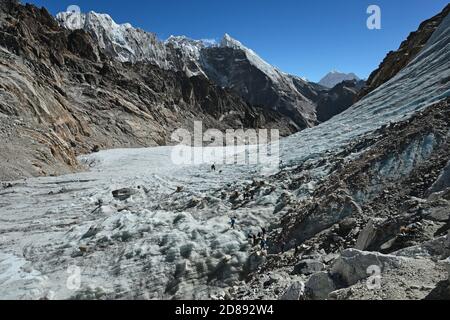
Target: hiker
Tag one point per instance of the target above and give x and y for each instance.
(297, 250)
(264, 231)
(255, 241)
(251, 237)
(283, 247)
(233, 222)
(213, 167)
(263, 244)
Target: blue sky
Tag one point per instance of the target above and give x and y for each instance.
(302, 37)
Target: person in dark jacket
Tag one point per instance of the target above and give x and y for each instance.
(233, 222)
(263, 244)
(264, 231)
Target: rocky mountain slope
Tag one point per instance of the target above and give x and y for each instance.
(409, 49)
(61, 95)
(228, 64)
(338, 99)
(334, 78)
(84, 83)
(234, 66)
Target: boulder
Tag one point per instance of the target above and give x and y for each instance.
(123, 194)
(439, 213)
(255, 261)
(341, 294)
(308, 267)
(295, 292)
(380, 234)
(346, 226)
(273, 279)
(83, 249)
(193, 202)
(448, 240)
(443, 180)
(368, 234)
(7, 185)
(329, 258)
(319, 286)
(353, 265)
(96, 148)
(91, 232)
(435, 249)
(447, 266)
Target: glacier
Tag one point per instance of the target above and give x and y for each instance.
(164, 244)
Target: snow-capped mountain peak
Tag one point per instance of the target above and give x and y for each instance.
(273, 73)
(121, 41)
(230, 42)
(222, 63)
(188, 46)
(76, 20)
(127, 43)
(335, 77)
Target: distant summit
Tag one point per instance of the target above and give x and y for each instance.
(333, 78)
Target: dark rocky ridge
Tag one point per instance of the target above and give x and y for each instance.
(307, 104)
(61, 96)
(395, 61)
(229, 67)
(338, 99)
